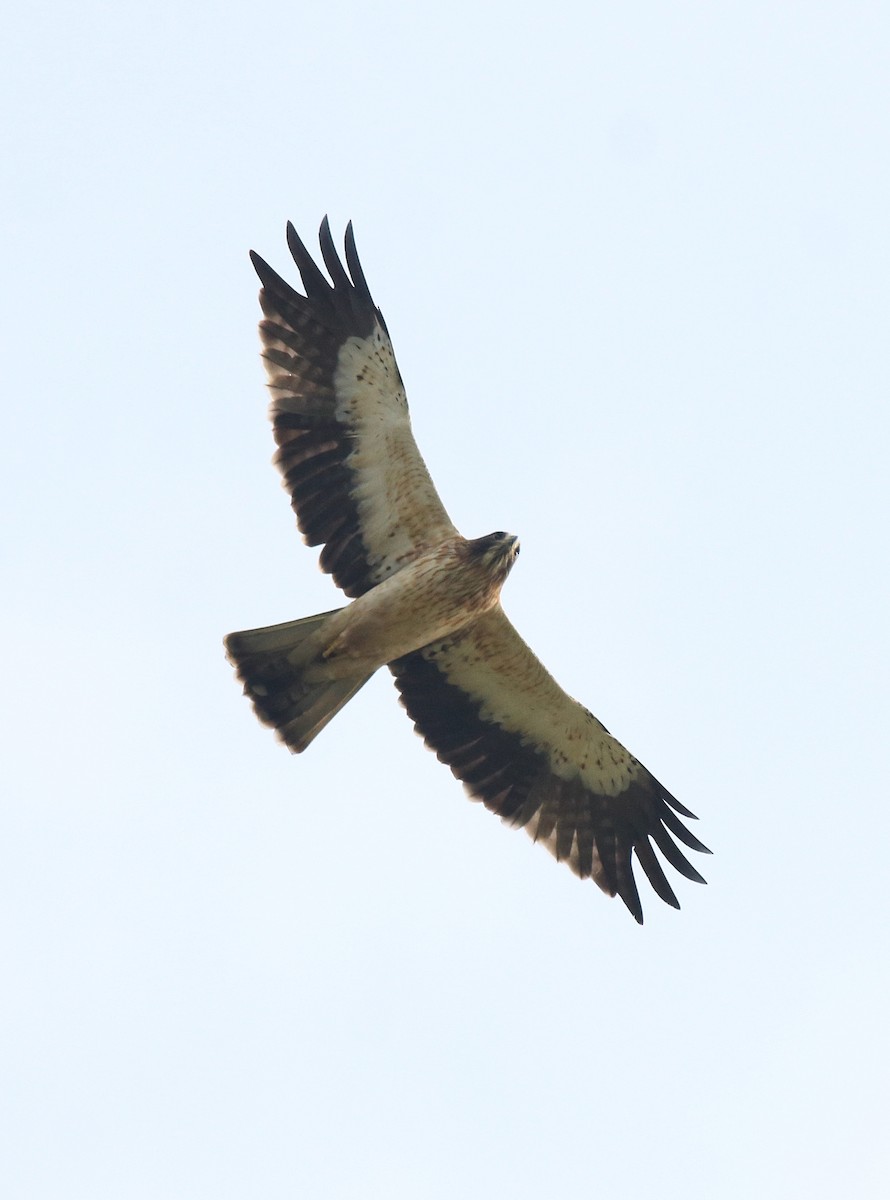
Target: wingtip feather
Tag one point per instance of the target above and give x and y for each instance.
(355, 266)
(676, 805)
(630, 897)
(313, 277)
(335, 267)
(654, 872)
(268, 276)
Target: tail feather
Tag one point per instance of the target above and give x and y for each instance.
(272, 664)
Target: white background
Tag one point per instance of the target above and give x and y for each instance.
(634, 259)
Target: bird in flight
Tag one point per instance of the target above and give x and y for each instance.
(425, 601)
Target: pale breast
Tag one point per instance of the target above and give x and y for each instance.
(433, 597)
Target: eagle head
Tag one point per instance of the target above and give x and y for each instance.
(497, 551)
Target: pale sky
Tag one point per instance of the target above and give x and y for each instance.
(634, 260)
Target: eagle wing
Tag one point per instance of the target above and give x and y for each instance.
(541, 761)
(340, 415)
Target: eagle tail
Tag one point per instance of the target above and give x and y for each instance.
(273, 663)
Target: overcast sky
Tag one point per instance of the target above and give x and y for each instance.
(634, 259)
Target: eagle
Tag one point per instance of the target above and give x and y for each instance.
(425, 601)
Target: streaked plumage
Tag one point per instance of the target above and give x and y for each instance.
(425, 601)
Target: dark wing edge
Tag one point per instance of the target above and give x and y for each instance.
(302, 336)
(595, 834)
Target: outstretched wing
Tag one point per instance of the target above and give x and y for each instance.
(345, 449)
(532, 754)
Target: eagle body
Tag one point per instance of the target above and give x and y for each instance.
(429, 598)
(425, 601)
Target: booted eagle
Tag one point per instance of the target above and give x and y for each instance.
(425, 600)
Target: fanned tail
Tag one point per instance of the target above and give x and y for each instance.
(273, 664)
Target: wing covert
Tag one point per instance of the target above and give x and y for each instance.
(357, 482)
